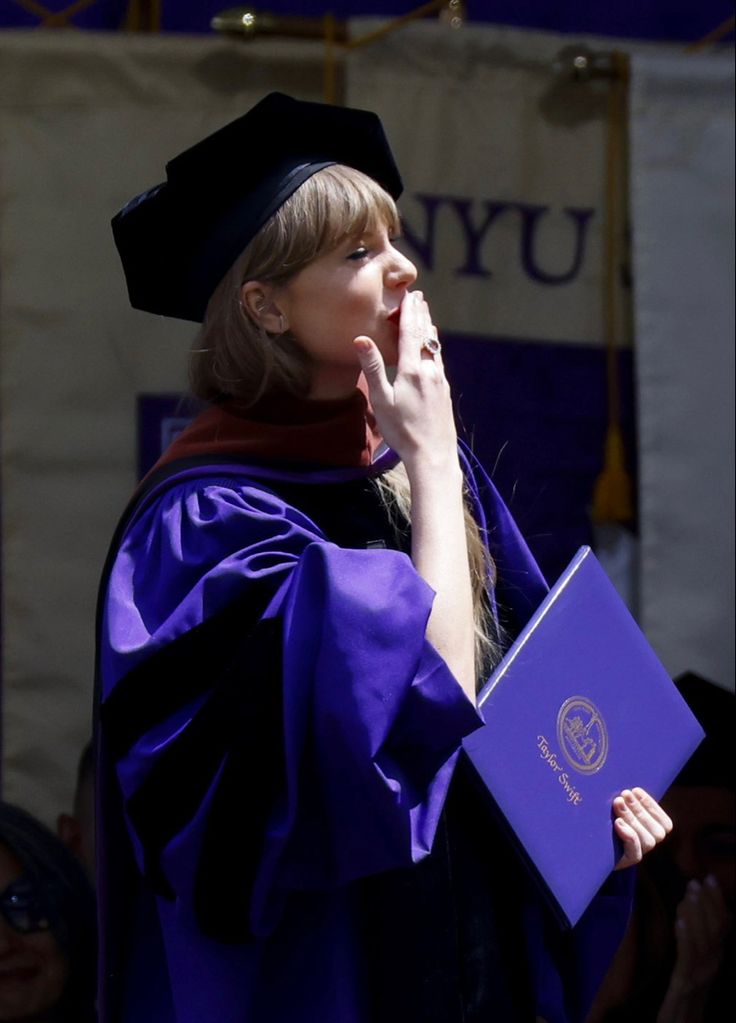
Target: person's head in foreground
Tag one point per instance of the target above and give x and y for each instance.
(47, 926)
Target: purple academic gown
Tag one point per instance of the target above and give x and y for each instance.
(275, 726)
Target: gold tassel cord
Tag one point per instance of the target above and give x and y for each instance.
(55, 19)
(31, 7)
(719, 32)
(455, 8)
(143, 16)
(613, 491)
(396, 23)
(330, 71)
(62, 18)
(613, 499)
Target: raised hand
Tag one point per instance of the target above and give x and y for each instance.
(414, 413)
(415, 417)
(702, 926)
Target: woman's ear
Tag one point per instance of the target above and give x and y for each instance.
(258, 302)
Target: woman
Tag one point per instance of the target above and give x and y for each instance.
(47, 926)
(287, 668)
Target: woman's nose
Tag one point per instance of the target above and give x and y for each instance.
(402, 272)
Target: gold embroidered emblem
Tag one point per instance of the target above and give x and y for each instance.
(582, 735)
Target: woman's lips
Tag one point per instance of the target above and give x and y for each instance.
(395, 316)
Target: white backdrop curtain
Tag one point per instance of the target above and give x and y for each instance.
(682, 172)
(86, 121)
(503, 166)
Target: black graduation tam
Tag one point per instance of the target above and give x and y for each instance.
(712, 762)
(178, 240)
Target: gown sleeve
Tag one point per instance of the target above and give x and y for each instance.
(277, 719)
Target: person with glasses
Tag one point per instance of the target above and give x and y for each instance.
(47, 926)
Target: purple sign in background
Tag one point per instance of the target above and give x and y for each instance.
(161, 418)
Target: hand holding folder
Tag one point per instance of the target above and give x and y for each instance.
(579, 710)
(641, 823)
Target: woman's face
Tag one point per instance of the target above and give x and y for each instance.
(356, 289)
(33, 971)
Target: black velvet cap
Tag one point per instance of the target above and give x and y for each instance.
(178, 240)
(712, 762)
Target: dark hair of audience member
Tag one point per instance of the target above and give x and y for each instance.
(66, 899)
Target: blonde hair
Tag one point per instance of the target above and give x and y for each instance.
(234, 357)
(395, 491)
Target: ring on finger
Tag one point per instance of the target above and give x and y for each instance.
(431, 345)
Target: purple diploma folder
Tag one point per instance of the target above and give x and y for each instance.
(579, 709)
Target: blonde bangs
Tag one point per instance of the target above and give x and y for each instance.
(349, 203)
(336, 203)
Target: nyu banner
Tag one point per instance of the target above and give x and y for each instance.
(503, 162)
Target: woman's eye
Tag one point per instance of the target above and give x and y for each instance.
(360, 253)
